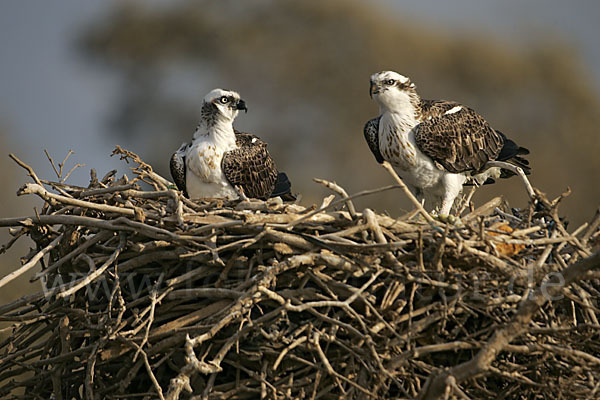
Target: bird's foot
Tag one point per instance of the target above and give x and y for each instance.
(448, 219)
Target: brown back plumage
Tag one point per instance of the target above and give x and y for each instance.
(460, 141)
(250, 166)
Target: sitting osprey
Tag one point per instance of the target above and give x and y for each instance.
(221, 161)
(436, 146)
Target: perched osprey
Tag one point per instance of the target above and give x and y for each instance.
(221, 161)
(436, 146)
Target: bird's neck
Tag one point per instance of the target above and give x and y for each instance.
(403, 108)
(218, 131)
(403, 117)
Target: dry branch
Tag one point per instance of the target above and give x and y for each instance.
(150, 295)
(516, 327)
(31, 263)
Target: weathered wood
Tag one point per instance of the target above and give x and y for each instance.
(152, 295)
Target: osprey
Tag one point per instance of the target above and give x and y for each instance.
(222, 162)
(436, 146)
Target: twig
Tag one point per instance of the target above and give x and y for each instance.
(278, 300)
(27, 168)
(112, 225)
(466, 200)
(408, 193)
(31, 263)
(64, 161)
(75, 252)
(153, 300)
(52, 163)
(337, 202)
(94, 274)
(31, 188)
(78, 165)
(502, 337)
(339, 190)
(331, 371)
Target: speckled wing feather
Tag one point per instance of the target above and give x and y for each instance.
(435, 108)
(371, 132)
(177, 166)
(459, 141)
(250, 166)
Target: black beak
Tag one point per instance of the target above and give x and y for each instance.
(241, 105)
(373, 89)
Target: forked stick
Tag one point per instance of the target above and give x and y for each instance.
(435, 385)
(339, 190)
(27, 168)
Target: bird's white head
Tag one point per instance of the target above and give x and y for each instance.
(221, 105)
(393, 92)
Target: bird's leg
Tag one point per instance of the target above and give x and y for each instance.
(446, 205)
(452, 188)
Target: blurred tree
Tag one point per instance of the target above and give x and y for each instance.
(303, 67)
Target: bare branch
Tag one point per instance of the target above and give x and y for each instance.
(502, 337)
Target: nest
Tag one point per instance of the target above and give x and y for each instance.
(147, 295)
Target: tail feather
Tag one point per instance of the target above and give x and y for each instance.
(512, 152)
(283, 188)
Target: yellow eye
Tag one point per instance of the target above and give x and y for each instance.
(224, 100)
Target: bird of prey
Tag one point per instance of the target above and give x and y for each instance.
(436, 146)
(222, 162)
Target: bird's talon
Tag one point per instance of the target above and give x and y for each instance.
(443, 217)
(448, 219)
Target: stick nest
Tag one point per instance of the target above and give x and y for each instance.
(149, 295)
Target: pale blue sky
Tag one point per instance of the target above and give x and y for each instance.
(49, 97)
(517, 21)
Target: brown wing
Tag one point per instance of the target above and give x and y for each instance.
(371, 132)
(250, 166)
(177, 166)
(460, 141)
(435, 108)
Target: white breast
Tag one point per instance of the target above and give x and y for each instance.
(397, 142)
(204, 176)
(398, 146)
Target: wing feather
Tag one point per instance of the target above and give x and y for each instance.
(250, 166)
(371, 132)
(177, 166)
(460, 141)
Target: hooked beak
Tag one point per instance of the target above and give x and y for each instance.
(241, 105)
(373, 89)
